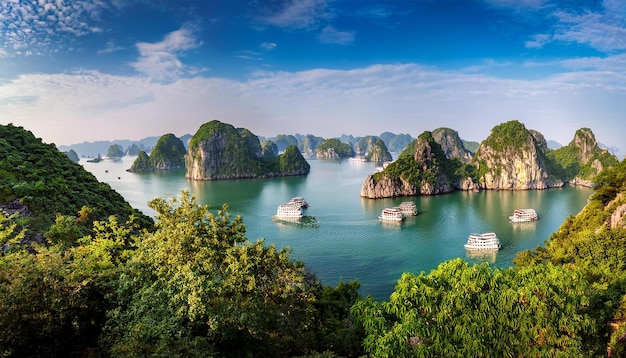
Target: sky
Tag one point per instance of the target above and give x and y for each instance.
(86, 70)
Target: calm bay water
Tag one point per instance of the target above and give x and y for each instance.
(350, 242)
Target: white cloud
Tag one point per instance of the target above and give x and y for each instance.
(602, 31)
(40, 27)
(110, 48)
(402, 98)
(268, 46)
(331, 35)
(299, 14)
(538, 41)
(160, 61)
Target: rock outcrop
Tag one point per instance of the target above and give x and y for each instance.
(587, 155)
(220, 151)
(512, 159)
(451, 144)
(418, 171)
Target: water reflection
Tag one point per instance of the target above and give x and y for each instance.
(489, 256)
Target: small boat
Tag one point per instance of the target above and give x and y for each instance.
(408, 208)
(289, 211)
(523, 215)
(299, 201)
(485, 241)
(357, 159)
(391, 214)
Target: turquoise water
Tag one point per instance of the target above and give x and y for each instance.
(350, 242)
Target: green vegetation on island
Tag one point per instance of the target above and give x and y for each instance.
(573, 162)
(511, 158)
(333, 148)
(168, 153)
(115, 151)
(424, 162)
(221, 151)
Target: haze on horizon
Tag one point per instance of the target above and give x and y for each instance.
(88, 70)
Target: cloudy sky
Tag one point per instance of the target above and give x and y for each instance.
(85, 70)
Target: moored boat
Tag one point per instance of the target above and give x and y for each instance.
(484, 241)
(408, 208)
(299, 201)
(523, 215)
(391, 214)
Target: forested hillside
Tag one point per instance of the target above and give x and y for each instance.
(44, 180)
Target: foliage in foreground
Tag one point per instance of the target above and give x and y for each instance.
(195, 286)
(460, 310)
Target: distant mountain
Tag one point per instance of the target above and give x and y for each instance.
(554, 144)
(396, 142)
(93, 149)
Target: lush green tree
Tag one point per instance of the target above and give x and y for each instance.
(196, 285)
(47, 182)
(460, 310)
(54, 298)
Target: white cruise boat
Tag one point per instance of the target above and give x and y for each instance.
(485, 241)
(298, 201)
(391, 214)
(289, 211)
(408, 208)
(523, 215)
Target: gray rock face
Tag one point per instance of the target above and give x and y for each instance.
(452, 144)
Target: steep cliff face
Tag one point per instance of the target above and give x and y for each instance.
(451, 144)
(583, 159)
(418, 171)
(220, 151)
(378, 152)
(512, 159)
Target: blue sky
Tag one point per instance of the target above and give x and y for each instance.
(85, 70)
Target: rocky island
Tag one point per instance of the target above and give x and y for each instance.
(373, 149)
(168, 153)
(219, 151)
(511, 158)
(333, 148)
